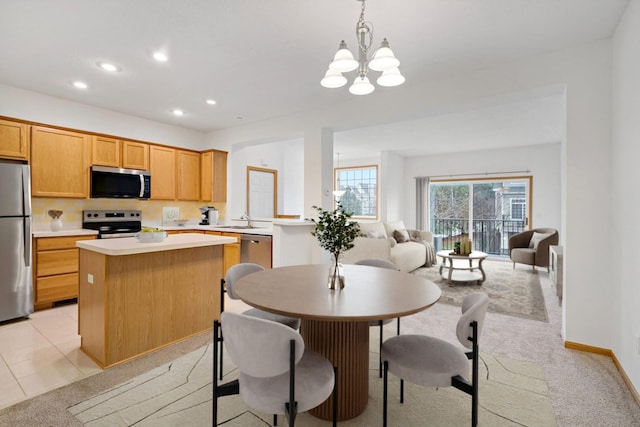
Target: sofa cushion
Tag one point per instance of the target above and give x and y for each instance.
(374, 230)
(401, 236)
(408, 256)
(536, 238)
(393, 225)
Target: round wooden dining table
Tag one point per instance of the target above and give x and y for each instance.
(336, 323)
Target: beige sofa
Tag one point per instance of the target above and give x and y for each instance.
(379, 242)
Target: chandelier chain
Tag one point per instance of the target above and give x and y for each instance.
(364, 30)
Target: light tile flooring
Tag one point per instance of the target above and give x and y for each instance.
(41, 354)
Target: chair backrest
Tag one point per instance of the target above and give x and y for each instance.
(236, 273)
(377, 262)
(474, 308)
(258, 347)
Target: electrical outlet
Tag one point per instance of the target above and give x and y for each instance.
(90, 278)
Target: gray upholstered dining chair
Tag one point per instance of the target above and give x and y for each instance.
(432, 362)
(234, 274)
(276, 374)
(380, 263)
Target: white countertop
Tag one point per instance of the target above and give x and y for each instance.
(63, 233)
(261, 230)
(132, 246)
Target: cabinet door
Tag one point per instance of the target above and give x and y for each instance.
(214, 176)
(231, 252)
(188, 175)
(59, 163)
(163, 172)
(105, 151)
(135, 155)
(14, 140)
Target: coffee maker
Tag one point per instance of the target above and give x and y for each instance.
(209, 215)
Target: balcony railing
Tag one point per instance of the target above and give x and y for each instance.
(488, 235)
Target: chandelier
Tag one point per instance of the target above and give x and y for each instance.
(382, 60)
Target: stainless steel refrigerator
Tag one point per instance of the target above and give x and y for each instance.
(16, 288)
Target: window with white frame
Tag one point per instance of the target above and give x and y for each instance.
(357, 190)
(517, 209)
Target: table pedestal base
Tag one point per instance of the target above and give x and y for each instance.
(346, 345)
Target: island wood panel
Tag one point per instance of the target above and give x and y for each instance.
(147, 300)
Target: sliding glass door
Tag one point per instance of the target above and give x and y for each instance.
(487, 211)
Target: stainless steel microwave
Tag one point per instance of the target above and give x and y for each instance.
(119, 183)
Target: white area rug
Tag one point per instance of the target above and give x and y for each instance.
(512, 393)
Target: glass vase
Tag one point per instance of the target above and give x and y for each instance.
(56, 224)
(336, 273)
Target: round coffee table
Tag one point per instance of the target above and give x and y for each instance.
(459, 270)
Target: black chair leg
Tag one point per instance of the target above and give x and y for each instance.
(398, 331)
(275, 420)
(380, 352)
(401, 391)
(384, 394)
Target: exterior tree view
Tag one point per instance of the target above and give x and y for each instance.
(492, 210)
(360, 187)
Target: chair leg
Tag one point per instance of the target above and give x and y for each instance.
(275, 420)
(401, 390)
(384, 394)
(398, 330)
(380, 352)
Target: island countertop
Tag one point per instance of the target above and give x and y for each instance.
(131, 245)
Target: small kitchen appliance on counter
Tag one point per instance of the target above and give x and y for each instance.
(111, 224)
(209, 215)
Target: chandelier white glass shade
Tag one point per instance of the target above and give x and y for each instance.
(382, 60)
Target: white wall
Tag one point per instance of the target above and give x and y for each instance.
(34, 107)
(624, 199)
(543, 162)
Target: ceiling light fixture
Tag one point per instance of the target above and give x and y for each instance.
(80, 85)
(382, 60)
(160, 57)
(178, 112)
(211, 102)
(106, 66)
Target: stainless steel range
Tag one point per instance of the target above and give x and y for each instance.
(114, 223)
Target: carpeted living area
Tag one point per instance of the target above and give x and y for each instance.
(515, 292)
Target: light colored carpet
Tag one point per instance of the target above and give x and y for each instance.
(179, 394)
(515, 292)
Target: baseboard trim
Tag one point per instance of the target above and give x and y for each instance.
(616, 362)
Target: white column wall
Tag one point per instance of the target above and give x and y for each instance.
(624, 200)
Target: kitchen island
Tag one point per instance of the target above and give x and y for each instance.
(137, 297)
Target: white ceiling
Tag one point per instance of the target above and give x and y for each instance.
(262, 59)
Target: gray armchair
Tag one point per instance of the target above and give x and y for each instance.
(531, 247)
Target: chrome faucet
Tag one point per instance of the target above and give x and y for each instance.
(248, 218)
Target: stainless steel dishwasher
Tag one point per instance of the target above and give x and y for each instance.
(256, 249)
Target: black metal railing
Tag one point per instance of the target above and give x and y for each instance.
(488, 235)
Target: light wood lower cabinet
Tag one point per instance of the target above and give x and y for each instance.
(56, 269)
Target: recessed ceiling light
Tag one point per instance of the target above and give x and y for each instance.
(211, 102)
(160, 57)
(178, 112)
(80, 85)
(108, 66)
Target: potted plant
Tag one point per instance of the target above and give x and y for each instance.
(335, 232)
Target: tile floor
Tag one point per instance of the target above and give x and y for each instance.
(41, 354)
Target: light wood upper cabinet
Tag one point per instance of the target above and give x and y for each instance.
(119, 154)
(59, 163)
(214, 176)
(14, 140)
(105, 151)
(162, 162)
(188, 175)
(135, 155)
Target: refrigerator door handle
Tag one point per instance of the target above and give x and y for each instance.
(26, 191)
(27, 242)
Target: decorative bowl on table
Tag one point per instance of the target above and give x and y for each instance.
(151, 235)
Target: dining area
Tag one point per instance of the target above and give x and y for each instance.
(333, 340)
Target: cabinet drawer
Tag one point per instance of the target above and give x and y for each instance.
(67, 242)
(57, 262)
(56, 288)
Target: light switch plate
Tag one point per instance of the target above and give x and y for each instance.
(169, 215)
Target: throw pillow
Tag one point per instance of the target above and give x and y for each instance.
(392, 241)
(536, 238)
(375, 235)
(401, 236)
